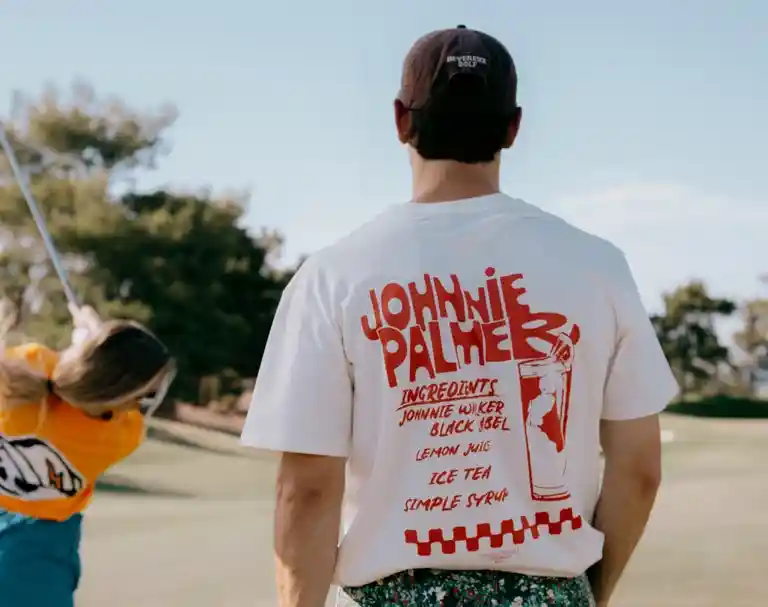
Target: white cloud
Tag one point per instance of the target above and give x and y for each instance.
(658, 204)
(671, 233)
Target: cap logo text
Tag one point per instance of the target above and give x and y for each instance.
(467, 60)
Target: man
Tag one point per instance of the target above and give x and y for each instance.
(403, 362)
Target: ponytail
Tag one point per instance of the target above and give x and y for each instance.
(20, 384)
(110, 369)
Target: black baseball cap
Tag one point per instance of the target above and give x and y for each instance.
(437, 58)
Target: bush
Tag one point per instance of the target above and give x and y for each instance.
(722, 406)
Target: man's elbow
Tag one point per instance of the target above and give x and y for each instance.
(648, 478)
(307, 481)
(292, 494)
(308, 502)
(642, 475)
(632, 452)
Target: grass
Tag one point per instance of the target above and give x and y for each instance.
(705, 546)
(117, 484)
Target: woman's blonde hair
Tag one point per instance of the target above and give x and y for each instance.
(116, 365)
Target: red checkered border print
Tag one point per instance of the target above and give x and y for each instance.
(447, 545)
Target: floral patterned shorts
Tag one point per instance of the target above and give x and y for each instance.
(440, 588)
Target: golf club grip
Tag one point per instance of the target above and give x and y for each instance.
(58, 266)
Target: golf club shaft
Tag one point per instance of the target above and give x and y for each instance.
(58, 266)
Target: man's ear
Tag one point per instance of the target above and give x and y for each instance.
(402, 122)
(514, 128)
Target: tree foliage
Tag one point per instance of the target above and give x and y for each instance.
(688, 336)
(752, 339)
(182, 263)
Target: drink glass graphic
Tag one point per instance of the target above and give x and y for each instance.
(545, 387)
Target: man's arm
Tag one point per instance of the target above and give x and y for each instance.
(307, 515)
(632, 451)
(639, 385)
(302, 408)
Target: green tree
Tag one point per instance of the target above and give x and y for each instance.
(72, 151)
(752, 338)
(181, 263)
(688, 336)
(204, 280)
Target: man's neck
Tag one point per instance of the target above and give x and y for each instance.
(446, 180)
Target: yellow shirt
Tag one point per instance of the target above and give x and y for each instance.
(51, 454)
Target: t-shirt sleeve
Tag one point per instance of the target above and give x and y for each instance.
(640, 381)
(302, 401)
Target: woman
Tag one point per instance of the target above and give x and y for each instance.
(65, 418)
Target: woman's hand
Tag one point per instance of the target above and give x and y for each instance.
(87, 323)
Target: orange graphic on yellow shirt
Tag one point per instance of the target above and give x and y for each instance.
(51, 454)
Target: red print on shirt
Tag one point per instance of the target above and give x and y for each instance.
(436, 327)
(489, 324)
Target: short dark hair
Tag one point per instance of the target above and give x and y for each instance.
(460, 88)
(458, 125)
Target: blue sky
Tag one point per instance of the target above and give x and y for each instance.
(643, 122)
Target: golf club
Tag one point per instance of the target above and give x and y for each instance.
(58, 266)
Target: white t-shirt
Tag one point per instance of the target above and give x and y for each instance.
(461, 356)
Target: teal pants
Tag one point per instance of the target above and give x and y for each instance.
(39, 561)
